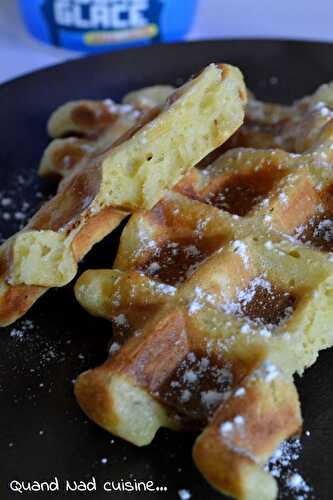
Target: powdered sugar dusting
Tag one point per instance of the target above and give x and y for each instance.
(267, 372)
(184, 494)
(240, 248)
(200, 299)
(230, 426)
(14, 207)
(200, 384)
(18, 333)
(281, 467)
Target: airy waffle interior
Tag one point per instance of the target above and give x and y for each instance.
(218, 295)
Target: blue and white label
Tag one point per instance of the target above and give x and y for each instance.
(94, 25)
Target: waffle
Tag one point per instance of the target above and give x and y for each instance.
(93, 125)
(291, 128)
(82, 128)
(132, 174)
(218, 295)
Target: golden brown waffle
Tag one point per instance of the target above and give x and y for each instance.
(219, 294)
(86, 127)
(82, 128)
(102, 189)
(291, 128)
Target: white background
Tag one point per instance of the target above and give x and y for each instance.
(294, 19)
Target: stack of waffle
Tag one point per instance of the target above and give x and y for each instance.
(222, 287)
(218, 295)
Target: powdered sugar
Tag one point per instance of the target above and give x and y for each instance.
(240, 248)
(245, 328)
(114, 347)
(267, 372)
(18, 333)
(211, 398)
(226, 427)
(200, 382)
(245, 296)
(14, 207)
(153, 268)
(270, 371)
(325, 230)
(121, 320)
(230, 426)
(201, 298)
(281, 467)
(240, 392)
(184, 494)
(296, 482)
(190, 376)
(283, 198)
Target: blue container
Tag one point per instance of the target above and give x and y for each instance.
(98, 25)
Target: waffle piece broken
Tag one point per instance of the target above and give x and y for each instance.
(132, 174)
(94, 124)
(220, 294)
(82, 128)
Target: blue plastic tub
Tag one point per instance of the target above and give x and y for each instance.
(98, 25)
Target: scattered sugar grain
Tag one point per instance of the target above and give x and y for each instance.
(19, 215)
(184, 494)
(283, 198)
(16, 333)
(211, 398)
(240, 248)
(245, 329)
(185, 396)
(114, 347)
(153, 268)
(271, 371)
(226, 427)
(264, 332)
(5, 202)
(280, 466)
(273, 80)
(296, 482)
(190, 376)
(239, 420)
(120, 320)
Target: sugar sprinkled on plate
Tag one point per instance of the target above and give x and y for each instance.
(280, 466)
(184, 494)
(297, 483)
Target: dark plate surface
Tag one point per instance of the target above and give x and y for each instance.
(43, 433)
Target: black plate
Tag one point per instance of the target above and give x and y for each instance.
(42, 431)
